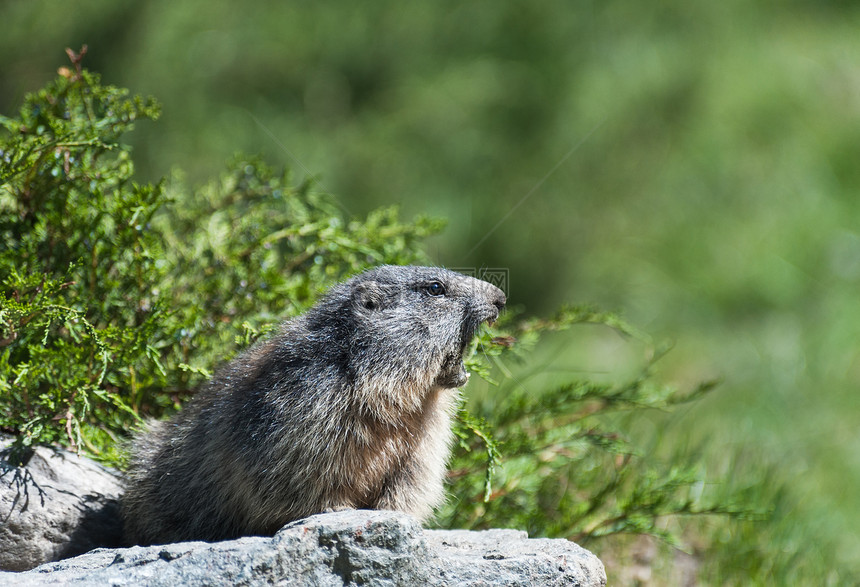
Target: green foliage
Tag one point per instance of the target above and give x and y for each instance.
(78, 314)
(557, 461)
(564, 461)
(118, 298)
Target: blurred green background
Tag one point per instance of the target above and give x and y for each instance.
(694, 164)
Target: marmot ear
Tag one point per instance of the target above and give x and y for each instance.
(368, 295)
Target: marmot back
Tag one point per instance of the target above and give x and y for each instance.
(349, 406)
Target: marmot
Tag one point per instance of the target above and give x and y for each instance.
(348, 406)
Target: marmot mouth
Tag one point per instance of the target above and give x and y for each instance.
(453, 372)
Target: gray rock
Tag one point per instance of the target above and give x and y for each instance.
(58, 505)
(510, 557)
(377, 548)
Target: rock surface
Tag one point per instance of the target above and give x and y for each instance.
(57, 505)
(342, 548)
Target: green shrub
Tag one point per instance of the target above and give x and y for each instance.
(79, 316)
(568, 469)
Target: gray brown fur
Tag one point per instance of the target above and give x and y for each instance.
(349, 406)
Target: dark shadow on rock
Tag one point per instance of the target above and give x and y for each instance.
(54, 504)
(99, 527)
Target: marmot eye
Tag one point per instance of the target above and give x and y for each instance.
(435, 288)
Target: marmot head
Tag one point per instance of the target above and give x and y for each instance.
(410, 327)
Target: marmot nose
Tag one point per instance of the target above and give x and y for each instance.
(496, 297)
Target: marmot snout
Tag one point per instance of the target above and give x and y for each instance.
(349, 406)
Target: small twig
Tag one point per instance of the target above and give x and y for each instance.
(76, 59)
(72, 444)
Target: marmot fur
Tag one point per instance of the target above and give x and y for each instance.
(349, 406)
